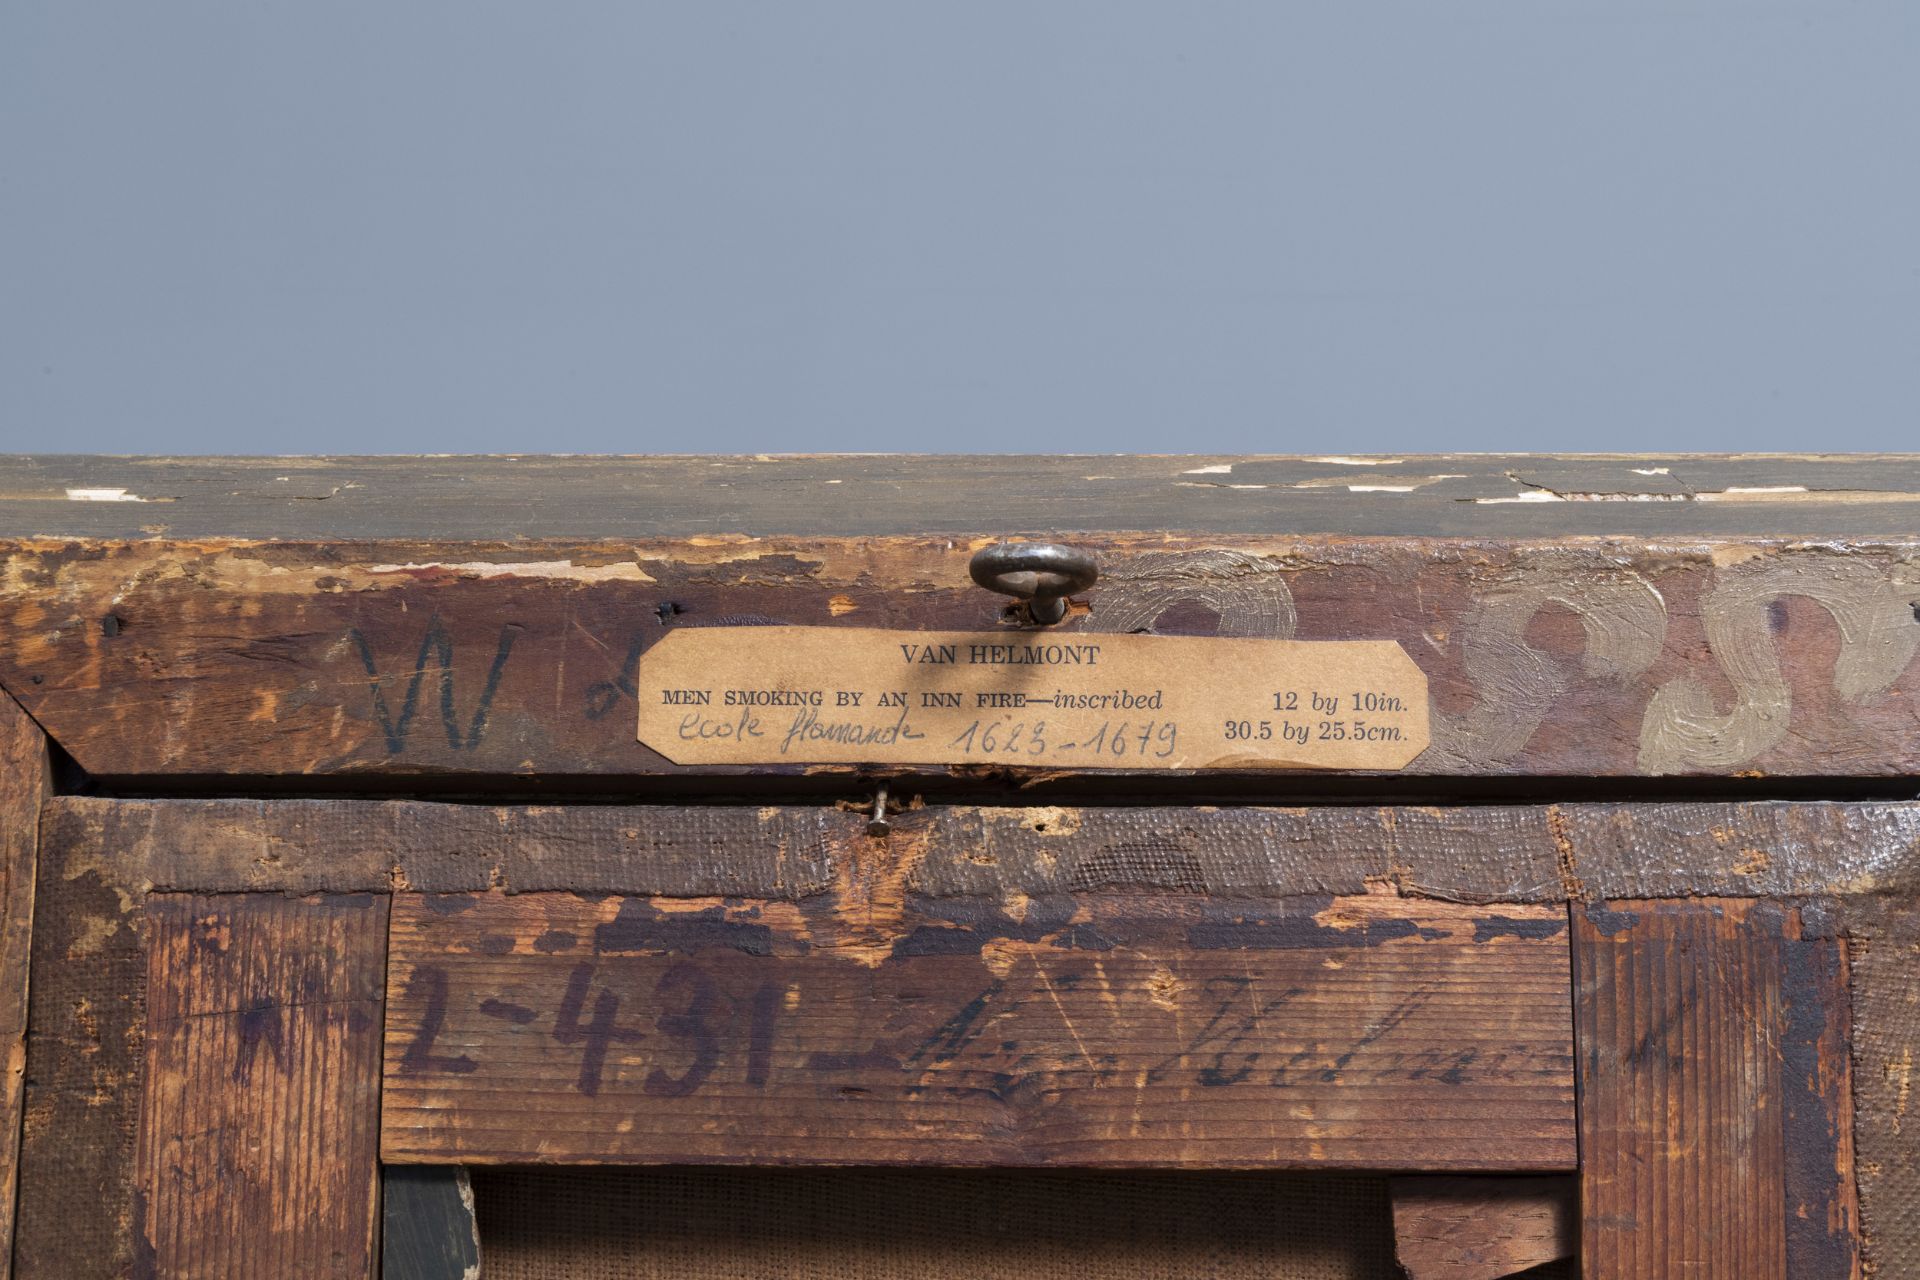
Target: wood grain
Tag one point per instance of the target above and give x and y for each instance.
(1715, 1098)
(428, 1229)
(1104, 1030)
(1482, 1228)
(257, 1145)
(99, 858)
(24, 784)
(1476, 853)
(423, 663)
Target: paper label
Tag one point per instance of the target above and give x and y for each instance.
(844, 695)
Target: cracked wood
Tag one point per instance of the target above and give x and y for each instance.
(1100, 1030)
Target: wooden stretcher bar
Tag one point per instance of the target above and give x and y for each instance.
(1041, 1025)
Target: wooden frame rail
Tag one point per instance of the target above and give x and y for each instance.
(1153, 1031)
(1048, 986)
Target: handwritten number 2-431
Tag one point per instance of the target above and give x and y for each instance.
(693, 1017)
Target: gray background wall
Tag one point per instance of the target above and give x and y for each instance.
(370, 225)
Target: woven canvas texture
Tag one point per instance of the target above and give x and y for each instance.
(863, 1224)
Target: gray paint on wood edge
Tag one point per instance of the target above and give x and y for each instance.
(505, 498)
(429, 1229)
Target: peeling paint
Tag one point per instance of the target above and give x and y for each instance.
(103, 495)
(561, 569)
(1344, 460)
(1531, 495)
(1247, 593)
(1801, 493)
(1733, 493)
(1404, 484)
(1728, 554)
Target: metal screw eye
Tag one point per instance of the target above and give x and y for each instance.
(1043, 574)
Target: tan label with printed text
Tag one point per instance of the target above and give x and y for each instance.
(844, 695)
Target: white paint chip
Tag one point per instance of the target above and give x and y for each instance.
(1407, 483)
(1650, 471)
(565, 569)
(1218, 469)
(1531, 495)
(102, 495)
(1736, 493)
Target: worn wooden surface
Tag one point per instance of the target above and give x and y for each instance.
(101, 857)
(1883, 940)
(1482, 1228)
(1715, 1093)
(1485, 853)
(85, 1054)
(24, 784)
(428, 1230)
(257, 1151)
(1513, 495)
(395, 663)
(1142, 1030)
